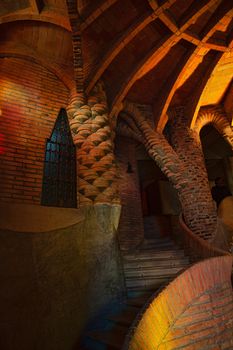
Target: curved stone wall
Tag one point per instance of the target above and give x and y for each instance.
(54, 282)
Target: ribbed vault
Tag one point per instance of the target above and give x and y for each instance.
(152, 52)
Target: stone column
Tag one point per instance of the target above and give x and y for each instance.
(93, 136)
(198, 206)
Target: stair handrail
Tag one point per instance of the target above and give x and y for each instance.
(196, 247)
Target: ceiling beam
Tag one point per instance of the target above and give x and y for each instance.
(195, 10)
(166, 95)
(126, 37)
(213, 45)
(153, 57)
(155, 5)
(221, 11)
(230, 39)
(194, 103)
(166, 18)
(114, 50)
(100, 9)
(169, 87)
(36, 5)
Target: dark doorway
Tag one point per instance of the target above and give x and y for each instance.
(218, 155)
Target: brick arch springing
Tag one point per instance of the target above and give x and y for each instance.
(216, 116)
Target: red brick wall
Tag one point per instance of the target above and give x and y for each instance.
(30, 99)
(130, 229)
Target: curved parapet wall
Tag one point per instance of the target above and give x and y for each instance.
(225, 214)
(35, 218)
(194, 311)
(59, 267)
(196, 247)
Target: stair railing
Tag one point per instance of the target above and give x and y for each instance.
(196, 247)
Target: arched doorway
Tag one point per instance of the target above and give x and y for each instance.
(218, 156)
(160, 204)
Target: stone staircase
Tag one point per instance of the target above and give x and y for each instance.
(156, 262)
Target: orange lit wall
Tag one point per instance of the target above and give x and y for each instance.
(30, 99)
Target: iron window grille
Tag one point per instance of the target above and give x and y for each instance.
(59, 178)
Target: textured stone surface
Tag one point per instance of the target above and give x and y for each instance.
(36, 218)
(53, 282)
(93, 136)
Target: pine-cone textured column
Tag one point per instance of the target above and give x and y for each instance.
(93, 137)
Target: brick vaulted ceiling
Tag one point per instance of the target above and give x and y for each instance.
(161, 53)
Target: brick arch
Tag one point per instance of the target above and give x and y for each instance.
(217, 117)
(57, 19)
(32, 56)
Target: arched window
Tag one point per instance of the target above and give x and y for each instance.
(59, 179)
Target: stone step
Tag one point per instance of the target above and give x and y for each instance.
(126, 316)
(156, 262)
(147, 283)
(158, 246)
(112, 338)
(157, 239)
(139, 264)
(154, 255)
(153, 272)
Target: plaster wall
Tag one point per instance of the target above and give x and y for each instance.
(53, 282)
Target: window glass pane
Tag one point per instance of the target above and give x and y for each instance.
(59, 181)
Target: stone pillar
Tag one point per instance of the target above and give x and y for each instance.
(93, 136)
(198, 206)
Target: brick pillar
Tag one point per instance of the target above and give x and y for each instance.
(130, 231)
(93, 136)
(198, 206)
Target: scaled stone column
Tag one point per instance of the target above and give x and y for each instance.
(93, 136)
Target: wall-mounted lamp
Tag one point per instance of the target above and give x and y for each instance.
(129, 168)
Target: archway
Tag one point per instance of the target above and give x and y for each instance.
(218, 155)
(160, 204)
